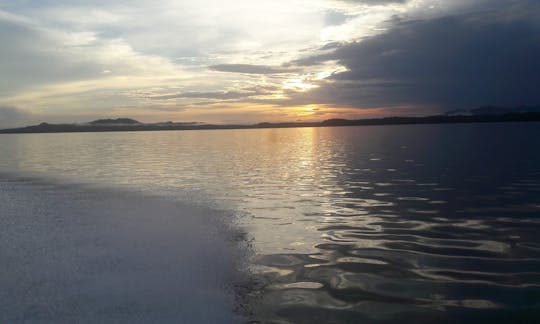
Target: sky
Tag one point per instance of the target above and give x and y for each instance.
(245, 61)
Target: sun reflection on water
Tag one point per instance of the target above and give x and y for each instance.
(352, 219)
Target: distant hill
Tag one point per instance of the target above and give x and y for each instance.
(494, 110)
(117, 121)
(479, 115)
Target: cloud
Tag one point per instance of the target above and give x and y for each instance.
(28, 58)
(485, 56)
(91, 57)
(334, 18)
(242, 93)
(36, 55)
(376, 2)
(202, 95)
(13, 117)
(251, 69)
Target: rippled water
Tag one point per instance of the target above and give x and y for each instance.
(417, 223)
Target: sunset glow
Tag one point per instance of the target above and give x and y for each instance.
(269, 161)
(73, 61)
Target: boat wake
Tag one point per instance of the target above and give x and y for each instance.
(71, 254)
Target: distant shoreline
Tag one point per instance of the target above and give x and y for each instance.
(110, 126)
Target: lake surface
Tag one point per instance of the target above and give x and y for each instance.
(414, 223)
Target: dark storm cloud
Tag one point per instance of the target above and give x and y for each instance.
(482, 57)
(251, 69)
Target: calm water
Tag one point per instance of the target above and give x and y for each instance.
(344, 225)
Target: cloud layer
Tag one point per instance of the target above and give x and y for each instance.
(209, 61)
(463, 60)
(251, 69)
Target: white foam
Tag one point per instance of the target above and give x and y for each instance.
(70, 255)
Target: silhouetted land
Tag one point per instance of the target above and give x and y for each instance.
(126, 124)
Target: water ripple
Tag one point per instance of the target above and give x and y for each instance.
(409, 223)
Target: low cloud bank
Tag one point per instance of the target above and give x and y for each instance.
(13, 117)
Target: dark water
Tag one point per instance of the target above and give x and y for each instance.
(427, 223)
(422, 224)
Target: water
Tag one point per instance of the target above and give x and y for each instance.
(417, 223)
(80, 255)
